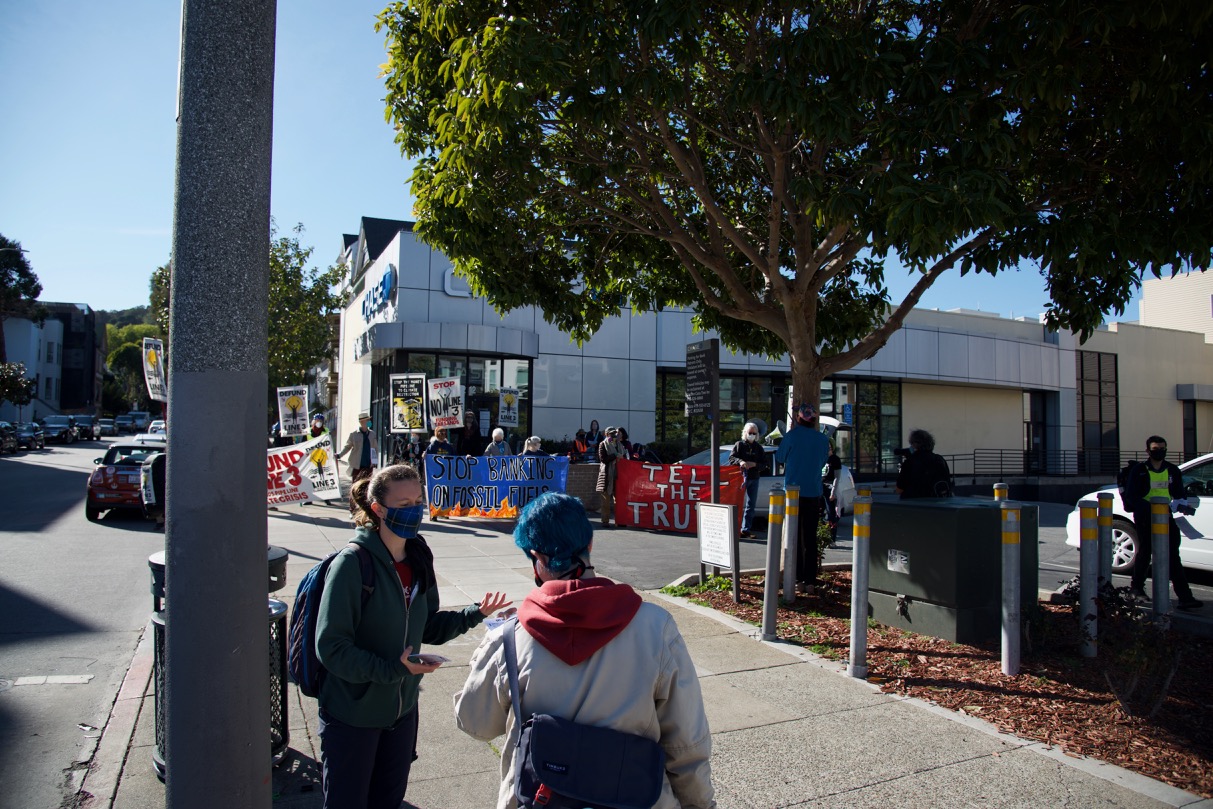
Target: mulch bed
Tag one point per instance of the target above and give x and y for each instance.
(1059, 697)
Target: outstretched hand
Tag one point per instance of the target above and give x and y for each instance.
(493, 602)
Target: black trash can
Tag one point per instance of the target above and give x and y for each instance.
(280, 736)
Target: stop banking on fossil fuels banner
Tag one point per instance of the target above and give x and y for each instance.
(490, 486)
(302, 472)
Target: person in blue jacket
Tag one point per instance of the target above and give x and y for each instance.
(803, 453)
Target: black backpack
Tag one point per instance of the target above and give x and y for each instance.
(303, 667)
(1122, 484)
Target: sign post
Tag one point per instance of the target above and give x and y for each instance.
(703, 399)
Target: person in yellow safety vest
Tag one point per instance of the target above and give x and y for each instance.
(1157, 477)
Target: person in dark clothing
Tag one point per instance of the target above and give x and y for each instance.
(752, 458)
(368, 699)
(1157, 477)
(829, 500)
(923, 473)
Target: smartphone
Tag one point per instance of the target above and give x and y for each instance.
(428, 659)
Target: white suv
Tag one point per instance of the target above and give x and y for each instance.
(1195, 531)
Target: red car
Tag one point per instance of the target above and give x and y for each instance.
(115, 482)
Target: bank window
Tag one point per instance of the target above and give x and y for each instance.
(1098, 412)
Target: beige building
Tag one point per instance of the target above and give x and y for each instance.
(1183, 302)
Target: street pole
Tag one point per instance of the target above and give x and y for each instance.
(217, 648)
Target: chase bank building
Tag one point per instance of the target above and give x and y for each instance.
(994, 391)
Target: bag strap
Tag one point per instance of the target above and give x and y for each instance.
(367, 570)
(511, 670)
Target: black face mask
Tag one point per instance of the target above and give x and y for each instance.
(1158, 454)
(575, 572)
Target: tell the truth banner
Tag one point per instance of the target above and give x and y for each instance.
(662, 497)
(488, 486)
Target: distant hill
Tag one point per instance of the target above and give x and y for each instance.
(124, 317)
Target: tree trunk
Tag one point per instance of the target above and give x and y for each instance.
(806, 381)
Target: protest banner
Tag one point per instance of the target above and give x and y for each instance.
(490, 486)
(153, 369)
(302, 472)
(445, 402)
(292, 410)
(507, 408)
(408, 402)
(662, 497)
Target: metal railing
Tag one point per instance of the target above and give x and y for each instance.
(1020, 463)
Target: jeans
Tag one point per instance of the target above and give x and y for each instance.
(751, 500)
(366, 767)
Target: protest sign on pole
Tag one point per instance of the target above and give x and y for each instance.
(408, 402)
(153, 369)
(507, 410)
(490, 486)
(302, 472)
(445, 402)
(292, 410)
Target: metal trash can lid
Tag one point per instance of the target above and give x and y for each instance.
(156, 563)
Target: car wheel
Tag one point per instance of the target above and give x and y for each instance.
(1124, 546)
(92, 513)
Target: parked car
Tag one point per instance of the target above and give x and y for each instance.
(845, 486)
(1195, 531)
(139, 420)
(30, 435)
(85, 429)
(107, 427)
(157, 427)
(8, 438)
(115, 482)
(60, 429)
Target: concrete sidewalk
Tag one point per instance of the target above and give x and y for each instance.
(789, 729)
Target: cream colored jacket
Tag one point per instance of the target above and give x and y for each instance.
(642, 682)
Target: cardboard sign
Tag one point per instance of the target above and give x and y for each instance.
(445, 402)
(153, 369)
(490, 486)
(662, 497)
(292, 410)
(507, 407)
(717, 522)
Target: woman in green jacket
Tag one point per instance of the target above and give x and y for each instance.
(368, 699)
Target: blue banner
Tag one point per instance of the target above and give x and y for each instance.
(490, 486)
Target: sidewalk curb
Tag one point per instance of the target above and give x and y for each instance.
(100, 786)
(1141, 784)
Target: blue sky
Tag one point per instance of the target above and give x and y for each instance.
(87, 151)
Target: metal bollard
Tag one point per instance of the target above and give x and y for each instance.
(770, 590)
(1160, 541)
(862, 536)
(1104, 519)
(1088, 572)
(1000, 491)
(791, 541)
(1011, 629)
(863, 490)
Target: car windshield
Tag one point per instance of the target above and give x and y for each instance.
(129, 455)
(56, 421)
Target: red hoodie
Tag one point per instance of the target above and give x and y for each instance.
(574, 619)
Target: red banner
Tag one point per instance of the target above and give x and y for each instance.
(662, 497)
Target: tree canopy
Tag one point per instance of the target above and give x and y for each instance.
(19, 289)
(763, 162)
(300, 302)
(15, 386)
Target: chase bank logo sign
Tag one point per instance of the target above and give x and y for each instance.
(380, 295)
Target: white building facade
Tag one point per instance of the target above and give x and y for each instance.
(40, 349)
(994, 391)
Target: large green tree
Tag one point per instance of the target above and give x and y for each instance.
(300, 302)
(19, 289)
(15, 386)
(765, 161)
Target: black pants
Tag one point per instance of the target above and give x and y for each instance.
(806, 546)
(366, 767)
(1145, 551)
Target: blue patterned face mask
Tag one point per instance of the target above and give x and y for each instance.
(404, 522)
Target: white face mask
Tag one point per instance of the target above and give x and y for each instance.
(750, 436)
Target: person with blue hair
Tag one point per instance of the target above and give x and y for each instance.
(593, 652)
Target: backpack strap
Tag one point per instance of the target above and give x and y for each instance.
(511, 670)
(367, 568)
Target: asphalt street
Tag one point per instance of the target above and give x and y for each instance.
(74, 600)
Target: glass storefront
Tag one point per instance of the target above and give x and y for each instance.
(482, 377)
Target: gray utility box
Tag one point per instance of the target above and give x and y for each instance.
(936, 566)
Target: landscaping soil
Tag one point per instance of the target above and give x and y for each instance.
(1059, 697)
